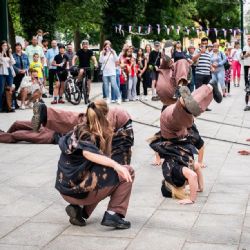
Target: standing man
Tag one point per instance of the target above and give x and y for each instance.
(202, 58)
(34, 48)
(51, 53)
(70, 53)
(85, 55)
(154, 64)
(190, 54)
(246, 57)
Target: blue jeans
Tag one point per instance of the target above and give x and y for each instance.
(219, 77)
(112, 80)
(5, 80)
(113, 96)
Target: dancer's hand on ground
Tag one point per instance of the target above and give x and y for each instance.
(157, 161)
(185, 202)
(123, 172)
(244, 152)
(248, 139)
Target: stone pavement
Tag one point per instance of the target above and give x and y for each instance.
(32, 212)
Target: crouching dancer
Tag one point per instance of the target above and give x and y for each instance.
(86, 173)
(176, 147)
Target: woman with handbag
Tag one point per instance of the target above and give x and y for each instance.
(86, 173)
(6, 76)
(109, 60)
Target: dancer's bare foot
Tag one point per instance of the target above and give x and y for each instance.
(157, 162)
(244, 152)
(248, 139)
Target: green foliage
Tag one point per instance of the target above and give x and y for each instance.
(14, 10)
(38, 14)
(81, 16)
(121, 12)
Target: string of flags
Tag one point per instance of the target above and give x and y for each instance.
(146, 30)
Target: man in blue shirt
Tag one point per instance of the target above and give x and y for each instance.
(50, 55)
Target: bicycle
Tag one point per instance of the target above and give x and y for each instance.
(72, 91)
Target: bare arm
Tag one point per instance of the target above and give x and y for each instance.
(74, 60)
(95, 61)
(106, 161)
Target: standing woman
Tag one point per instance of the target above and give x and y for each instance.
(21, 66)
(132, 69)
(147, 80)
(109, 60)
(228, 68)
(86, 173)
(236, 53)
(178, 53)
(6, 75)
(218, 59)
(142, 66)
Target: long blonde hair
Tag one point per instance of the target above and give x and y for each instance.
(97, 126)
(177, 193)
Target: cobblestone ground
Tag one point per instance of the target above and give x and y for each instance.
(32, 212)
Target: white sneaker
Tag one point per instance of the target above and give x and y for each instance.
(112, 101)
(145, 98)
(22, 107)
(119, 101)
(31, 105)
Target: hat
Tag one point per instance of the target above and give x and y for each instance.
(157, 43)
(168, 43)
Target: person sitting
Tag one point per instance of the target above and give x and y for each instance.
(86, 173)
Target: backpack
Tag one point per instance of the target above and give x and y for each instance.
(226, 64)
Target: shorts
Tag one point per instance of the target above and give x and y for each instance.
(87, 73)
(178, 178)
(154, 75)
(61, 75)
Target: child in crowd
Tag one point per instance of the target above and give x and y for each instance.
(37, 65)
(228, 69)
(39, 35)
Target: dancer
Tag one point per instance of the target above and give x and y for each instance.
(175, 146)
(86, 173)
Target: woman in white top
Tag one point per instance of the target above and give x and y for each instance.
(235, 54)
(6, 71)
(109, 60)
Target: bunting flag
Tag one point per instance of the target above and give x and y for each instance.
(122, 29)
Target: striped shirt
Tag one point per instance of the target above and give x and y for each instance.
(203, 66)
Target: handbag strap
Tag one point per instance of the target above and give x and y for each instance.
(106, 61)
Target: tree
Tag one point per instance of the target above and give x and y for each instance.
(38, 15)
(81, 21)
(122, 12)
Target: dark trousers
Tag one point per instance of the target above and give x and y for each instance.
(201, 79)
(52, 76)
(138, 85)
(192, 84)
(246, 69)
(124, 91)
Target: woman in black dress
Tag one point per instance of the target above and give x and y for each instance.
(86, 173)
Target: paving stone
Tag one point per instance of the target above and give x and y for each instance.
(7, 224)
(16, 247)
(245, 237)
(221, 229)
(155, 239)
(204, 246)
(34, 234)
(87, 243)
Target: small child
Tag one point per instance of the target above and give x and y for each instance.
(228, 69)
(37, 65)
(39, 35)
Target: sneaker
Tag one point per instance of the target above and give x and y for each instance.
(238, 85)
(39, 115)
(115, 221)
(31, 105)
(113, 101)
(22, 107)
(234, 85)
(177, 93)
(247, 89)
(44, 96)
(216, 92)
(191, 105)
(119, 101)
(61, 101)
(145, 98)
(247, 108)
(126, 100)
(108, 101)
(208, 109)
(75, 215)
(54, 102)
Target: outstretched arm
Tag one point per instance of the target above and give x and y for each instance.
(106, 161)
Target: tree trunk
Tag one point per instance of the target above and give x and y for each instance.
(101, 39)
(12, 36)
(77, 40)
